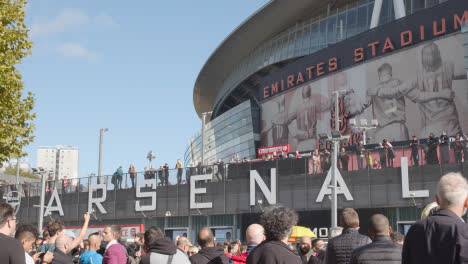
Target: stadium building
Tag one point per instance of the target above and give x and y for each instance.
(269, 86)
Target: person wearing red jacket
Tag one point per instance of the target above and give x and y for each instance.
(254, 236)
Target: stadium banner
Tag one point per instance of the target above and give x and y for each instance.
(271, 150)
(414, 91)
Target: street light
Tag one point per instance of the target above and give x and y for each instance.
(101, 132)
(364, 126)
(40, 171)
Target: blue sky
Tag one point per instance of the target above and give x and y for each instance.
(127, 66)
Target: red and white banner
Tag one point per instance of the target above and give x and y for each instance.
(128, 231)
(270, 150)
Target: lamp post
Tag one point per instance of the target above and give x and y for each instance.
(203, 136)
(41, 172)
(336, 137)
(364, 127)
(101, 132)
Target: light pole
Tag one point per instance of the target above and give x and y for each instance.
(335, 139)
(364, 127)
(203, 137)
(41, 172)
(101, 132)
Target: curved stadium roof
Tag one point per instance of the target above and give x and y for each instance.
(274, 17)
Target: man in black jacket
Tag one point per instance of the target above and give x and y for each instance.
(442, 237)
(161, 249)
(278, 223)
(340, 248)
(209, 254)
(382, 250)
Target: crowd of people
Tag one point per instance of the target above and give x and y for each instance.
(441, 237)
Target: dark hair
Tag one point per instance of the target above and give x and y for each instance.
(385, 67)
(349, 218)
(152, 235)
(26, 231)
(45, 234)
(132, 249)
(54, 227)
(205, 237)
(6, 213)
(278, 222)
(437, 59)
(315, 241)
(397, 237)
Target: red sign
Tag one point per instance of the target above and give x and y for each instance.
(270, 150)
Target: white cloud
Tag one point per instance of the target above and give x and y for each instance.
(104, 19)
(72, 49)
(67, 18)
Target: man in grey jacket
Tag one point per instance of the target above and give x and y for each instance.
(382, 249)
(340, 248)
(161, 249)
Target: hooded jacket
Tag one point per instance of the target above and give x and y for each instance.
(273, 252)
(161, 251)
(210, 255)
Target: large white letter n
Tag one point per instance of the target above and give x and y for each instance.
(270, 195)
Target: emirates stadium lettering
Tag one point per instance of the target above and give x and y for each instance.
(338, 57)
(270, 192)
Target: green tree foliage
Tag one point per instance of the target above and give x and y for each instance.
(16, 109)
(11, 170)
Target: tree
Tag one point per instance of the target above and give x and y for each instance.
(11, 170)
(16, 109)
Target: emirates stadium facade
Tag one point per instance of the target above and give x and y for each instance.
(269, 86)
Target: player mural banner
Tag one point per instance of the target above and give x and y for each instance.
(416, 91)
(271, 150)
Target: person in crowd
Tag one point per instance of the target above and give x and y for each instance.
(166, 174)
(344, 159)
(458, 150)
(161, 249)
(116, 179)
(278, 223)
(340, 248)
(132, 173)
(220, 172)
(91, 256)
(376, 165)
(65, 184)
(297, 155)
(45, 235)
(146, 174)
(368, 155)
(140, 239)
(55, 229)
(189, 172)
(315, 161)
(431, 155)
(63, 246)
(133, 253)
(208, 253)
(318, 256)
(325, 160)
(161, 175)
(245, 160)
(443, 237)
(180, 170)
(183, 245)
(38, 243)
(382, 155)
(115, 253)
(414, 145)
(397, 237)
(305, 249)
(444, 148)
(390, 153)
(86, 244)
(11, 250)
(233, 249)
(243, 249)
(360, 149)
(192, 251)
(274, 155)
(27, 234)
(152, 172)
(254, 236)
(382, 249)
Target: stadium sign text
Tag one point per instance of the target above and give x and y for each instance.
(269, 192)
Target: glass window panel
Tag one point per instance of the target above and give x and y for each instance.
(351, 23)
(323, 33)
(362, 18)
(331, 34)
(314, 37)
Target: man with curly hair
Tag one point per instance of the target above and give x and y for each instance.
(278, 223)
